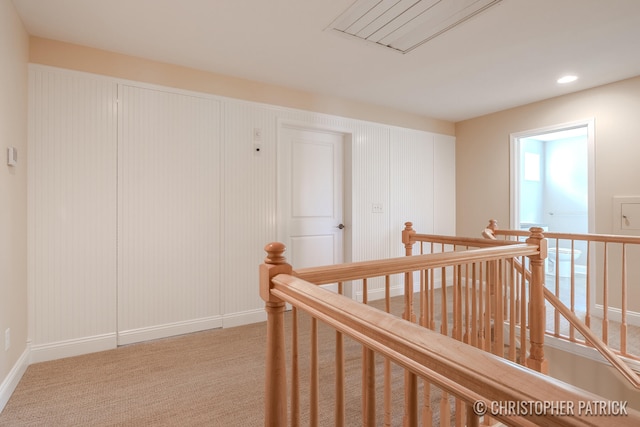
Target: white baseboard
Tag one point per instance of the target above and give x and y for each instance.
(168, 330)
(75, 347)
(244, 318)
(376, 294)
(10, 383)
(615, 314)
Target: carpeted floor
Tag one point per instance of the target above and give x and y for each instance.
(211, 378)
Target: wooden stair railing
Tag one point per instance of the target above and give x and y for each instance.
(614, 359)
(605, 290)
(478, 378)
(500, 294)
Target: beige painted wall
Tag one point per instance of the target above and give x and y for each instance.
(74, 57)
(482, 152)
(14, 50)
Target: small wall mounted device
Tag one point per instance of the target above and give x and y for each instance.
(12, 156)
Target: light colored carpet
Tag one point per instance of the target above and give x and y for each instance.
(211, 378)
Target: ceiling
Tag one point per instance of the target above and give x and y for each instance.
(509, 55)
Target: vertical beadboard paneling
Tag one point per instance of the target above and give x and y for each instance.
(169, 213)
(194, 210)
(72, 207)
(249, 207)
(411, 157)
(370, 184)
(444, 175)
(412, 192)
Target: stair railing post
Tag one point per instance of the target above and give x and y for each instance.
(410, 380)
(275, 397)
(490, 231)
(408, 240)
(537, 318)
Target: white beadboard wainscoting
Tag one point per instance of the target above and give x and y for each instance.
(149, 207)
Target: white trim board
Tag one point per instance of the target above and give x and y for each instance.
(8, 386)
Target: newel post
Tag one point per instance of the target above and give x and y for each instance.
(410, 379)
(275, 396)
(537, 320)
(490, 231)
(407, 239)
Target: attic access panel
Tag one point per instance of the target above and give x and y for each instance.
(403, 25)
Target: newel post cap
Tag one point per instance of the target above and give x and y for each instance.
(274, 263)
(537, 238)
(275, 251)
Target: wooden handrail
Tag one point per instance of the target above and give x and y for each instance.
(461, 241)
(608, 238)
(468, 373)
(615, 360)
(367, 269)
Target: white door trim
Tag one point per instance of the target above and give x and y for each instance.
(514, 179)
(281, 226)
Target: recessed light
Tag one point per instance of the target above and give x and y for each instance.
(567, 79)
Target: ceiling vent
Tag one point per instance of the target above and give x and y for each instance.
(403, 25)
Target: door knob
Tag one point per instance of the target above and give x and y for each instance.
(341, 226)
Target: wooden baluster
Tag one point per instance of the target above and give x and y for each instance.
(572, 333)
(295, 370)
(623, 320)
(481, 308)
(512, 313)
(314, 392)
(368, 388)
(523, 317)
(605, 296)
(387, 363)
(368, 373)
(587, 316)
(340, 370)
(488, 308)
(467, 307)
(472, 419)
(556, 314)
(537, 321)
(387, 392)
(474, 305)
(411, 400)
(456, 332)
(275, 400)
(445, 409)
(498, 321)
(432, 296)
(444, 323)
(460, 412)
(427, 411)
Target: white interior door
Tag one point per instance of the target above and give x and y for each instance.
(311, 196)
